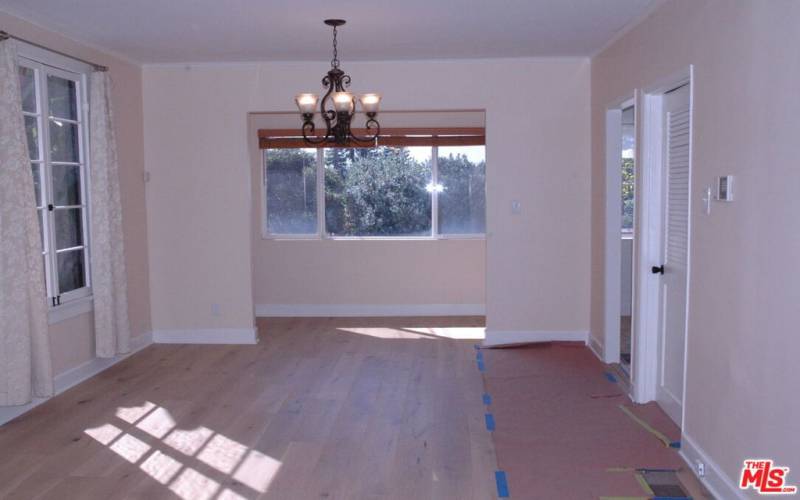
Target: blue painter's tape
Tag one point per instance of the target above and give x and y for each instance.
(479, 356)
(675, 444)
(480, 365)
(477, 347)
(489, 422)
(610, 376)
(502, 483)
(487, 399)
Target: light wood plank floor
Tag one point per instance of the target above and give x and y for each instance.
(320, 408)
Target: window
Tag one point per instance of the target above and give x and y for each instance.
(292, 191)
(462, 190)
(628, 172)
(55, 124)
(385, 191)
(380, 191)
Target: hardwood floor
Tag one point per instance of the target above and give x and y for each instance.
(320, 408)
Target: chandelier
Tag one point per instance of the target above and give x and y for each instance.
(338, 106)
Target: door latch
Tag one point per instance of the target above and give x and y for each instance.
(657, 269)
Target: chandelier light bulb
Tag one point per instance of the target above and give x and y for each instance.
(307, 103)
(370, 102)
(343, 102)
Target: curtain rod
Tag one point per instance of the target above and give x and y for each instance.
(98, 67)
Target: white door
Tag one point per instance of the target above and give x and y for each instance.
(675, 251)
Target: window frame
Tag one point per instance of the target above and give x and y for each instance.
(322, 234)
(44, 63)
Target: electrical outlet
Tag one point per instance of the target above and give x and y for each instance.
(216, 310)
(701, 469)
(516, 207)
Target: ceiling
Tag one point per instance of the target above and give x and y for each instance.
(159, 31)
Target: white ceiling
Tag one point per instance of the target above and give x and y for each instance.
(153, 31)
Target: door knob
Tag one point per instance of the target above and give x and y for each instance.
(657, 269)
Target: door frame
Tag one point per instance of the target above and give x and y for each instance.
(613, 224)
(649, 238)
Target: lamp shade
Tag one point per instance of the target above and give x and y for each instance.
(306, 103)
(370, 102)
(343, 102)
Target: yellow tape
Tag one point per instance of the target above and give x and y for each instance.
(620, 469)
(661, 437)
(643, 483)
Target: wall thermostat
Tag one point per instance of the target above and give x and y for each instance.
(725, 188)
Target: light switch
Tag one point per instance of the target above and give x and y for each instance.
(725, 188)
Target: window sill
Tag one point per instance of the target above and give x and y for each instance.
(375, 238)
(70, 309)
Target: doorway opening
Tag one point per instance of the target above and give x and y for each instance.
(627, 233)
(647, 245)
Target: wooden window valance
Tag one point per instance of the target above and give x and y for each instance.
(396, 137)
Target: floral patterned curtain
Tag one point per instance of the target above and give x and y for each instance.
(109, 278)
(25, 365)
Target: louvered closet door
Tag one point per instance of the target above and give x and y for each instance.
(674, 281)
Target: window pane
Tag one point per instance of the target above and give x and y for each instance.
(32, 132)
(69, 228)
(462, 190)
(71, 274)
(378, 192)
(63, 141)
(27, 82)
(36, 170)
(62, 98)
(291, 191)
(40, 215)
(628, 178)
(66, 184)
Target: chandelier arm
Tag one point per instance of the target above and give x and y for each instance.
(372, 123)
(308, 133)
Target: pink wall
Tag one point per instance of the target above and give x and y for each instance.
(197, 148)
(742, 340)
(73, 340)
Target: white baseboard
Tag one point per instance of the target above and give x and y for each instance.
(715, 480)
(368, 310)
(596, 348)
(74, 376)
(505, 337)
(207, 336)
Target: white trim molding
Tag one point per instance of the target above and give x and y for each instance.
(207, 336)
(596, 347)
(368, 310)
(507, 337)
(74, 376)
(715, 480)
(70, 309)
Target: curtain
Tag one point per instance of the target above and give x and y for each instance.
(109, 278)
(25, 365)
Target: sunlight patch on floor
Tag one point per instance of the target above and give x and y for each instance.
(158, 423)
(193, 485)
(417, 333)
(161, 467)
(257, 471)
(130, 448)
(134, 413)
(219, 456)
(222, 453)
(188, 442)
(105, 433)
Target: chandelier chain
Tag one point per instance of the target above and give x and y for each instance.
(335, 60)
